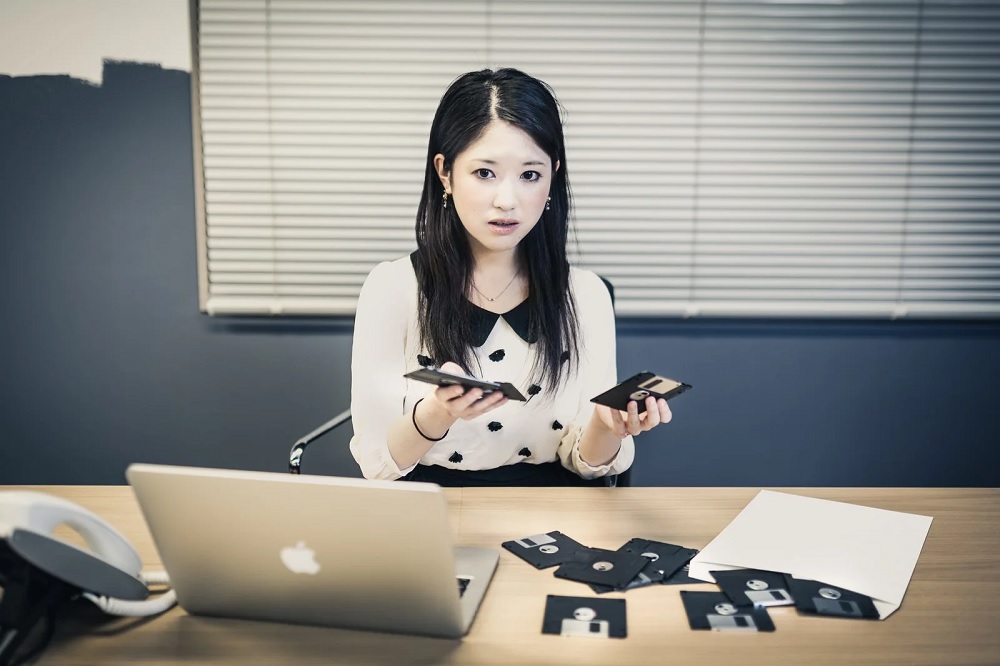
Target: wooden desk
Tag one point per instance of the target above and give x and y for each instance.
(949, 615)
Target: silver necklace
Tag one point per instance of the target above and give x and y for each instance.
(501, 293)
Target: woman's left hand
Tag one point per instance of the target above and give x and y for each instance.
(631, 422)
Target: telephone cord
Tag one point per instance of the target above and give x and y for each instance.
(145, 608)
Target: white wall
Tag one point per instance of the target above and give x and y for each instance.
(74, 36)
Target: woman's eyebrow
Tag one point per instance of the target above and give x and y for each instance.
(528, 163)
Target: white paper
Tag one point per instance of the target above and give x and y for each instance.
(858, 548)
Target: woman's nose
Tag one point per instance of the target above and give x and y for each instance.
(505, 197)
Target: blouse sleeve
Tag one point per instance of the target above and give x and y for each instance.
(597, 372)
(378, 363)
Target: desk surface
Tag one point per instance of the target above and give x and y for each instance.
(941, 621)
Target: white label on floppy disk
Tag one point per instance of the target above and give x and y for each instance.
(594, 628)
(537, 540)
(765, 598)
(731, 622)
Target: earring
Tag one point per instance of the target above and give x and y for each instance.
(444, 200)
(548, 203)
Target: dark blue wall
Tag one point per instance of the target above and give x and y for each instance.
(108, 361)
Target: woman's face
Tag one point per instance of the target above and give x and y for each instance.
(498, 186)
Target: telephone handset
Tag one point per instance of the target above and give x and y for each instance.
(111, 567)
(39, 571)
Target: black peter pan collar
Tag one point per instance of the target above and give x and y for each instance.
(483, 322)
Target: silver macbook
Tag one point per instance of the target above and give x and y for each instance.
(312, 549)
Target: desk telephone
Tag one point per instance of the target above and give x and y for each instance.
(39, 571)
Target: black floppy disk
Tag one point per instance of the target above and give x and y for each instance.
(682, 577)
(663, 560)
(545, 550)
(714, 610)
(612, 568)
(585, 616)
(812, 596)
(754, 587)
(640, 580)
(639, 387)
(433, 375)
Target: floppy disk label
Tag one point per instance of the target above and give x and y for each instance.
(738, 622)
(593, 628)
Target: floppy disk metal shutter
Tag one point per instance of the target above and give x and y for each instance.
(727, 158)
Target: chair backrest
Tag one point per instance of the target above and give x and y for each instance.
(611, 288)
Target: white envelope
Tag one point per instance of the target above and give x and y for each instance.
(858, 548)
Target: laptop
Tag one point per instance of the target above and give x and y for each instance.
(321, 550)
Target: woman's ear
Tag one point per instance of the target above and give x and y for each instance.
(443, 175)
(556, 167)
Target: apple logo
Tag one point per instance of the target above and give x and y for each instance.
(300, 559)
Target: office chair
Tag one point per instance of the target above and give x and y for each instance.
(299, 448)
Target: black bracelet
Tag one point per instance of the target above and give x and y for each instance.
(413, 417)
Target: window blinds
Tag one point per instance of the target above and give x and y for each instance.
(727, 158)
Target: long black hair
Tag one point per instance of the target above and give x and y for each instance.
(444, 258)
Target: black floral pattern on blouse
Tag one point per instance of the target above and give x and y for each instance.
(424, 361)
(556, 425)
(456, 457)
(498, 355)
(525, 452)
(494, 426)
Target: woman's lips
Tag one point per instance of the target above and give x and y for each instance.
(504, 227)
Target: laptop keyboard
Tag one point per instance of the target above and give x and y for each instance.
(463, 583)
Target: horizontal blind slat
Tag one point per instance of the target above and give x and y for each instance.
(775, 159)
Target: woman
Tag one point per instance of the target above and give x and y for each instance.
(489, 292)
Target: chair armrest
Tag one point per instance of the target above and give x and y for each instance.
(299, 448)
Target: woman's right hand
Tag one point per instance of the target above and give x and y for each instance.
(461, 403)
(433, 415)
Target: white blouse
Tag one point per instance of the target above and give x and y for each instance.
(545, 428)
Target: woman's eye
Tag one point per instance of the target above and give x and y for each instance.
(484, 173)
(531, 176)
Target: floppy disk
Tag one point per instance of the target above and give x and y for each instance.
(663, 560)
(613, 568)
(714, 610)
(545, 550)
(640, 580)
(583, 616)
(754, 587)
(812, 596)
(681, 577)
